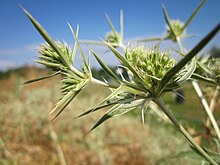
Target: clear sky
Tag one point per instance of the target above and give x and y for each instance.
(143, 18)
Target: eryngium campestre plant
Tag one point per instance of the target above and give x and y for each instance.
(151, 65)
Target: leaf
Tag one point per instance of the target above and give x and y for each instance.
(193, 14)
(150, 39)
(178, 51)
(50, 64)
(108, 103)
(92, 42)
(169, 75)
(117, 110)
(106, 68)
(188, 71)
(121, 25)
(144, 107)
(114, 98)
(75, 35)
(46, 36)
(168, 21)
(111, 25)
(42, 78)
(205, 79)
(72, 58)
(64, 102)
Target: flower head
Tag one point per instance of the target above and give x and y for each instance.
(50, 58)
(214, 67)
(150, 64)
(177, 30)
(114, 38)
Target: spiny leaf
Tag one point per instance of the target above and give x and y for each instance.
(46, 36)
(150, 39)
(144, 107)
(64, 102)
(42, 78)
(202, 78)
(117, 110)
(168, 21)
(183, 75)
(165, 80)
(75, 35)
(193, 14)
(108, 103)
(111, 24)
(73, 55)
(50, 64)
(106, 68)
(121, 25)
(114, 98)
(92, 42)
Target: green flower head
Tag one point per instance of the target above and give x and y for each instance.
(151, 64)
(50, 58)
(178, 29)
(113, 37)
(214, 68)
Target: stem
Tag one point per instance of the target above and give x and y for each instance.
(161, 104)
(78, 73)
(180, 44)
(96, 81)
(213, 103)
(206, 107)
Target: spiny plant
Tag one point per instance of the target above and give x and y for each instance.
(151, 73)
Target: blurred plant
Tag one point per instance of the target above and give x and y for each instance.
(151, 74)
(113, 37)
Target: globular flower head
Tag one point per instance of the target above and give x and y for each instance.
(114, 38)
(214, 68)
(72, 83)
(178, 29)
(51, 59)
(151, 64)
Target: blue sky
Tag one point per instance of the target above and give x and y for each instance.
(143, 18)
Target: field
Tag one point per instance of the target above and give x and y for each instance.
(28, 136)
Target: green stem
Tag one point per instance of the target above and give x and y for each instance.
(96, 81)
(78, 73)
(206, 107)
(161, 104)
(180, 45)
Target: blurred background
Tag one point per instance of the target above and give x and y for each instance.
(27, 136)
